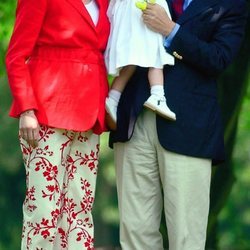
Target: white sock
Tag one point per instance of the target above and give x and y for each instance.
(157, 90)
(115, 95)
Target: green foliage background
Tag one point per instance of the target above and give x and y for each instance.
(229, 224)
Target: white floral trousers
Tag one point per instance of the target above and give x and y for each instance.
(60, 178)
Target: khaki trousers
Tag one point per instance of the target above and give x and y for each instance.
(149, 176)
(60, 178)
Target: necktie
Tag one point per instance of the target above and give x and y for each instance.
(178, 7)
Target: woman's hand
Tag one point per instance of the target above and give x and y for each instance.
(29, 127)
(156, 19)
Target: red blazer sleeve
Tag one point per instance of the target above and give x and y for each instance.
(29, 18)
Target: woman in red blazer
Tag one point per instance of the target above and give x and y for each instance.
(58, 81)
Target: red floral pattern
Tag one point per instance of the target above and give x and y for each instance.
(60, 178)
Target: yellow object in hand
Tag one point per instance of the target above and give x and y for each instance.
(142, 5)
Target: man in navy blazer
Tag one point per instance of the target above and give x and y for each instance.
(153, 154)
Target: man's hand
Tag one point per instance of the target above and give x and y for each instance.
(156, 19)
(29, 127)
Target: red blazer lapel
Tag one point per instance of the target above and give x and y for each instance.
(79, 6)
(102, 12)
(99, 3)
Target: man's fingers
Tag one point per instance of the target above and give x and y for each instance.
(149, 7)
(148, 17)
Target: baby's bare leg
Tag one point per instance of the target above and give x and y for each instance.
(119, 83)
(155, 76)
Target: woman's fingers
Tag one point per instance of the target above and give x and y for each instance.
(31, 139)
(29, 128)
(35, 136)
(23, 134)
(29, 135)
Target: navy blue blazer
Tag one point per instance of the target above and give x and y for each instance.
(209, 37)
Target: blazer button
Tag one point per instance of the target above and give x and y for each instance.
(175, 54)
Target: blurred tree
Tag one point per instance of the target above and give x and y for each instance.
(8, 126)
(232, 88)
(11, 168)
(234, 219)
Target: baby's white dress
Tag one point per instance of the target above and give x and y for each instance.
(130, 41)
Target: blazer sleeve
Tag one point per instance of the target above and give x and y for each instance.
(29, 18)
(213, 56)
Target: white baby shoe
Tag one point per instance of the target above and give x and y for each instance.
(159, 106)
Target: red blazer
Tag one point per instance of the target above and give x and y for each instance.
(55, 63)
